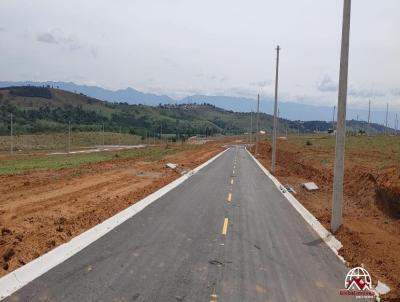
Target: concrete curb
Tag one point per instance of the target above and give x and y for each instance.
(13, 281)
(334, 244)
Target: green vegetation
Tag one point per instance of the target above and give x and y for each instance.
(59, 141)
(48, 110)
(382, 145)
(20, 164)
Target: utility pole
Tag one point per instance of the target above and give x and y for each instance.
(11, 135)
(251, 126)
(369, 118)
(337, 198)
(396, 123)
(386, 123)
(258, 123)
(275, 112)
(69, 136)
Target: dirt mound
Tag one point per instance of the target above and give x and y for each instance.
(371, 226)
(41, 210)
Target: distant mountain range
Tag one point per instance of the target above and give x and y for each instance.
(38, 109)
(288, 110)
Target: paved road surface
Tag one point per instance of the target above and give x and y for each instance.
(226, 234)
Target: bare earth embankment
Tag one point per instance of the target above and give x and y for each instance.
(371, 229)
(42, 209)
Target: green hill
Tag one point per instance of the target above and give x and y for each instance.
(49, 110)
(42, 109)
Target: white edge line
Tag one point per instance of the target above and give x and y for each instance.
(15, 280)
(334, 244)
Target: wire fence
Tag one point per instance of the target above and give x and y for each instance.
(74, 140)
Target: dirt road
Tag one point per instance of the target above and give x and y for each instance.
(40, 210)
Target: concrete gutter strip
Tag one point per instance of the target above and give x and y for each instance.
(13, 281)
(334, 244)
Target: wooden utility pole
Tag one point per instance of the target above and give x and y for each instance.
(258, 123)
(337, 198)
(275, 112)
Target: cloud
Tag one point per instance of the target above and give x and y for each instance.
(47, 38)
(224, 78)
(396, 92)
(94, 51)
(2, 29)
(365, 92)
(169, 62)
(261, 83)
(57, 36)
(241, 91)
(327, 84)
(69, 42)
(206, 76)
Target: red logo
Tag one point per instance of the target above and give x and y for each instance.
(358, 283)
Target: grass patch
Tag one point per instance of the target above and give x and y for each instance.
(47, 162)
(384, 150)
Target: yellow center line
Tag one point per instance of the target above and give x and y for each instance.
(229, 197)
(214, 296)
(225, 226)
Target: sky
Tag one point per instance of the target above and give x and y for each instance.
(223, 47)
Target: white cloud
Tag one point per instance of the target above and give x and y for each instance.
(327, 84)
(47, 38)
(204, 46)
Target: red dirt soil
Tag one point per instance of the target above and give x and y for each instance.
(371, 226)
(41, 210)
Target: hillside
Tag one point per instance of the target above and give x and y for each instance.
(45, 109)
(289, 109)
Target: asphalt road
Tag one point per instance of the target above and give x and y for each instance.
(226, 234)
